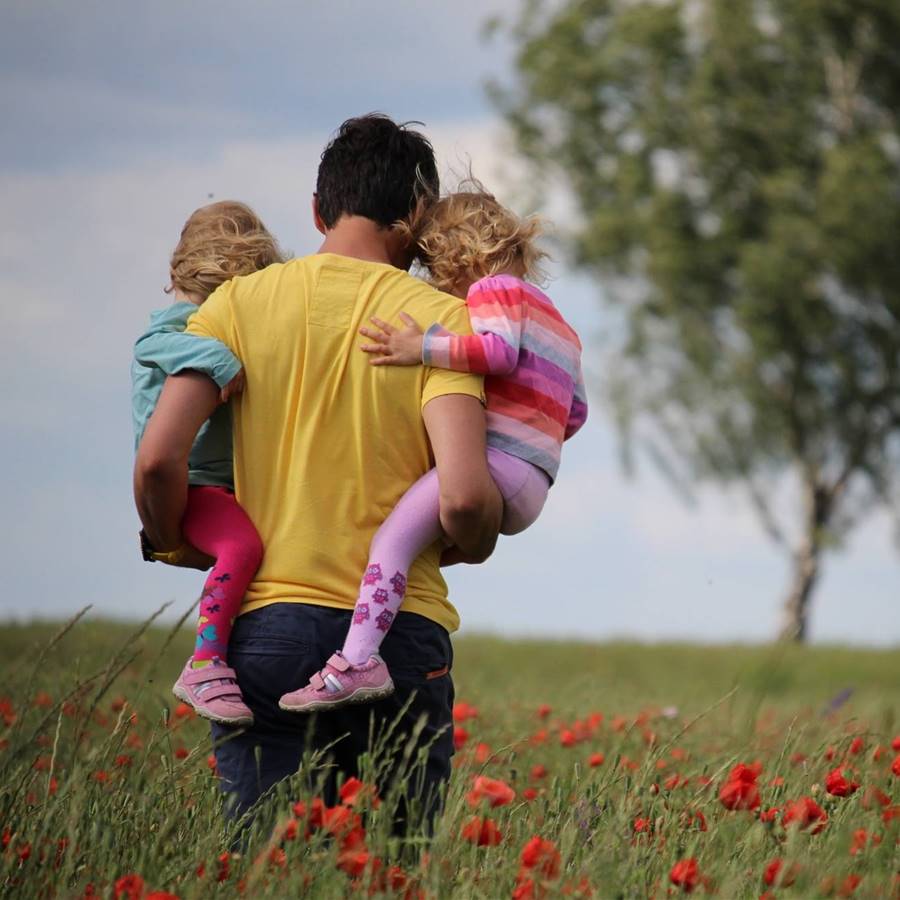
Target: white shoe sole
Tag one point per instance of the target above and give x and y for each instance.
(183, 695)
(360, 695)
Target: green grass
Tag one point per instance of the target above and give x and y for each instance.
(95, 756)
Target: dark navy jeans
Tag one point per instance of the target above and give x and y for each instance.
(277, 649)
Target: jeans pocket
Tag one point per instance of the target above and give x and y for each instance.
(270, 645)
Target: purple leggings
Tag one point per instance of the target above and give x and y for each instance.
(414, 525)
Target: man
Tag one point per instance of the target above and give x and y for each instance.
(325, 445)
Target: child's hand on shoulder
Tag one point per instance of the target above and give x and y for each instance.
(235, 386)
(394, 346)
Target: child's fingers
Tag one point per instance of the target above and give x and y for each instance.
(387, 329)
(381, 360)
(374, 335)
(372, 348)
(409, 320)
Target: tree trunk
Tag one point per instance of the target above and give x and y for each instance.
(794, 619)
(795, 613)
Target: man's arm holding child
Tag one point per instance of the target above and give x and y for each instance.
(161, 466)
(471, 507)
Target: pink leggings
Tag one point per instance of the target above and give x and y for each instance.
(215, 523)
(414, 525)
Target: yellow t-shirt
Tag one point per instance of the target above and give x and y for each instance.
(324, 443)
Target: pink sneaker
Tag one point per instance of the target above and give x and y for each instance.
(214, 693)
(339, 683)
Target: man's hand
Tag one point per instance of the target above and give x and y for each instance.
(471, 506)
(192, 558)
(394, 346)
(234, 387)
(453, 556)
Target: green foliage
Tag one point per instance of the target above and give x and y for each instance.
(105, 777)
(735, 165)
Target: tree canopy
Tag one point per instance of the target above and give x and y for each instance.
(735, 169)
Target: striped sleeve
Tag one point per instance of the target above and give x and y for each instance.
(579, 409)
(496, 316)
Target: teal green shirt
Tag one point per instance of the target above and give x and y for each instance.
(164, 349)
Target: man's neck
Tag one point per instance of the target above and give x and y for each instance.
(361, 238)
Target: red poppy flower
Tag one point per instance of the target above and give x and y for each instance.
(857, 745)
(849, 885)
(526, 889)
(7, 711)
(688, 818)
(740, 790)
(769, 815)
(567, 737)
(895, 766)
(775, 875)
(685, 874)
(529, 794)
(596, 759)
(483, 832)
(642, 824)
(838, 785)
(542, 856)
(805, 813)
(895, 743)
(160, 895)
(495, 791)
(460, 736)
(353, 792)
(463, 711)
(128, 887)
(544, 710)
(861, 837)
(353, 862)
(538, 772)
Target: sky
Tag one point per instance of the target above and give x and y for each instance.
(119, 120)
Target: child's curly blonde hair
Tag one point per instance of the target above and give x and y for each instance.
(219, 241)
(468, 235)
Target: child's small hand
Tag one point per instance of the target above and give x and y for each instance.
(394, 346)
(235, 386)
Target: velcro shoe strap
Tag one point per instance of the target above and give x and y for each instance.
(209, 673)
(338, 662)
(317, 681)
(219, 690)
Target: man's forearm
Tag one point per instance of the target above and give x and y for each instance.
(161, 467)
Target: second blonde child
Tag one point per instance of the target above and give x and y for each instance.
(476, 249)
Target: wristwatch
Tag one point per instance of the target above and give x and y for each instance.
(150, 554)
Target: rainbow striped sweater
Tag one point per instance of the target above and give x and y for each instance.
(531, 358)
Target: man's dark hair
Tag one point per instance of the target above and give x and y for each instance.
(375, 168)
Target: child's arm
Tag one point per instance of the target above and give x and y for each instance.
(175, 352)
(496, 317)
(579, 409)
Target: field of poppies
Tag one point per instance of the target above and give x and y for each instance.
(581, 770)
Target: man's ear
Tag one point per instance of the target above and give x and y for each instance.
(317, 219)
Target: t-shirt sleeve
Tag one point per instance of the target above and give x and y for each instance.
(441, 382)
(215, 319)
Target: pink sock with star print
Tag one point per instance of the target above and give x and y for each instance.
(414, 524)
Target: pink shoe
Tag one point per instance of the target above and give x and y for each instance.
(339, 683)
(214, 693)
